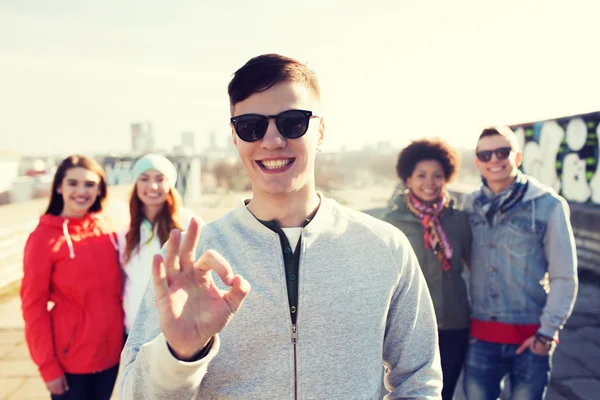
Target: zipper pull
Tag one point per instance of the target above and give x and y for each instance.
(294, 333)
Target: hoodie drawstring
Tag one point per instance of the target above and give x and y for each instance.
(68, 238)
(113, 241)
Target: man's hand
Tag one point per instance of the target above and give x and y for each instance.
(191, 308)
(57, 386)
(535, 346)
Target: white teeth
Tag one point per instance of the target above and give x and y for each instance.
(275, 164)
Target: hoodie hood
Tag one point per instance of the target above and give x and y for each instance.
(536, 189)
(91, 223)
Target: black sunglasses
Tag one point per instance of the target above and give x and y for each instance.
(502, 153)
(291, 124)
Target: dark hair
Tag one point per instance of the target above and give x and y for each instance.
(501, 131)
(56, 203)
(263, 72)
(424, 149)
(166, 220)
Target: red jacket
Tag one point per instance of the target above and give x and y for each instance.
(74, 264)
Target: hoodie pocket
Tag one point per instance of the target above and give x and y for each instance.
(64, 331)
(68, 345)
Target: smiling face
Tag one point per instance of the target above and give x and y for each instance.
(427, 180)
(79, 188)
(498, 173)
(152, 188)
(278, 166)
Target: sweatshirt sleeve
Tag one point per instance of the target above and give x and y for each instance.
(150, 371)
(35, 294)
(410, 350)
(559, 247)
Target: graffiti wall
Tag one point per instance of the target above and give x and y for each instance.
(564, 153)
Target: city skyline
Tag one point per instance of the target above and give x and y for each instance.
(76, 75)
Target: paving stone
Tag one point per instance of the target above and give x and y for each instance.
(575, 345)
(32, 388)
(11, 337)
(582, 320)
(9, 385)
(592, 363)
(588, 296)
(18, 368)
(591, 333)
(5, 349)
(12, 318)
(552, 394)
(18, 352)
(566, 367)
(587, 389)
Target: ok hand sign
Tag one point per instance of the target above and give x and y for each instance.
(191, 308)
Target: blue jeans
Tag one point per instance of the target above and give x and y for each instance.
(488, 363)
(94, 386)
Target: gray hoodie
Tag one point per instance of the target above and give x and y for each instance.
(363, 301)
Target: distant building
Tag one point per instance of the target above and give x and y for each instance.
(142, 138)
(9, 171)
(384, 147)
(188, 139)
(212, 141)
(214, 153)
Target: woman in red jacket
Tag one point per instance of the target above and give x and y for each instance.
(71, 260)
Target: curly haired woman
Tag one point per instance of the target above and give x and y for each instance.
(441, 237)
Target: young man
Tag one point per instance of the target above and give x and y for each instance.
(334, 292)
(524, 273)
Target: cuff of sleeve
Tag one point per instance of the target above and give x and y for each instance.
(549, 332)
(51, 371)
(167, 371)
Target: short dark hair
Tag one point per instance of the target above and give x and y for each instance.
(56, 203)
(501, 131)
(263, 72)
(425, 149)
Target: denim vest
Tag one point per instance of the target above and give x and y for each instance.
(509, 266)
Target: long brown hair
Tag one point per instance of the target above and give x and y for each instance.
(166, 220)
(57, 203)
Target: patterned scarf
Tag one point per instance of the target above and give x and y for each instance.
(492, 204)
(434, 235)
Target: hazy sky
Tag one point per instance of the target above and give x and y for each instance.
(74, 74)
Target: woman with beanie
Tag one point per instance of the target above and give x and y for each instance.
(155, 209)
(441, 237)
(71, 260)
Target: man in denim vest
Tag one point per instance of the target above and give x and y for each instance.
(524, 273)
